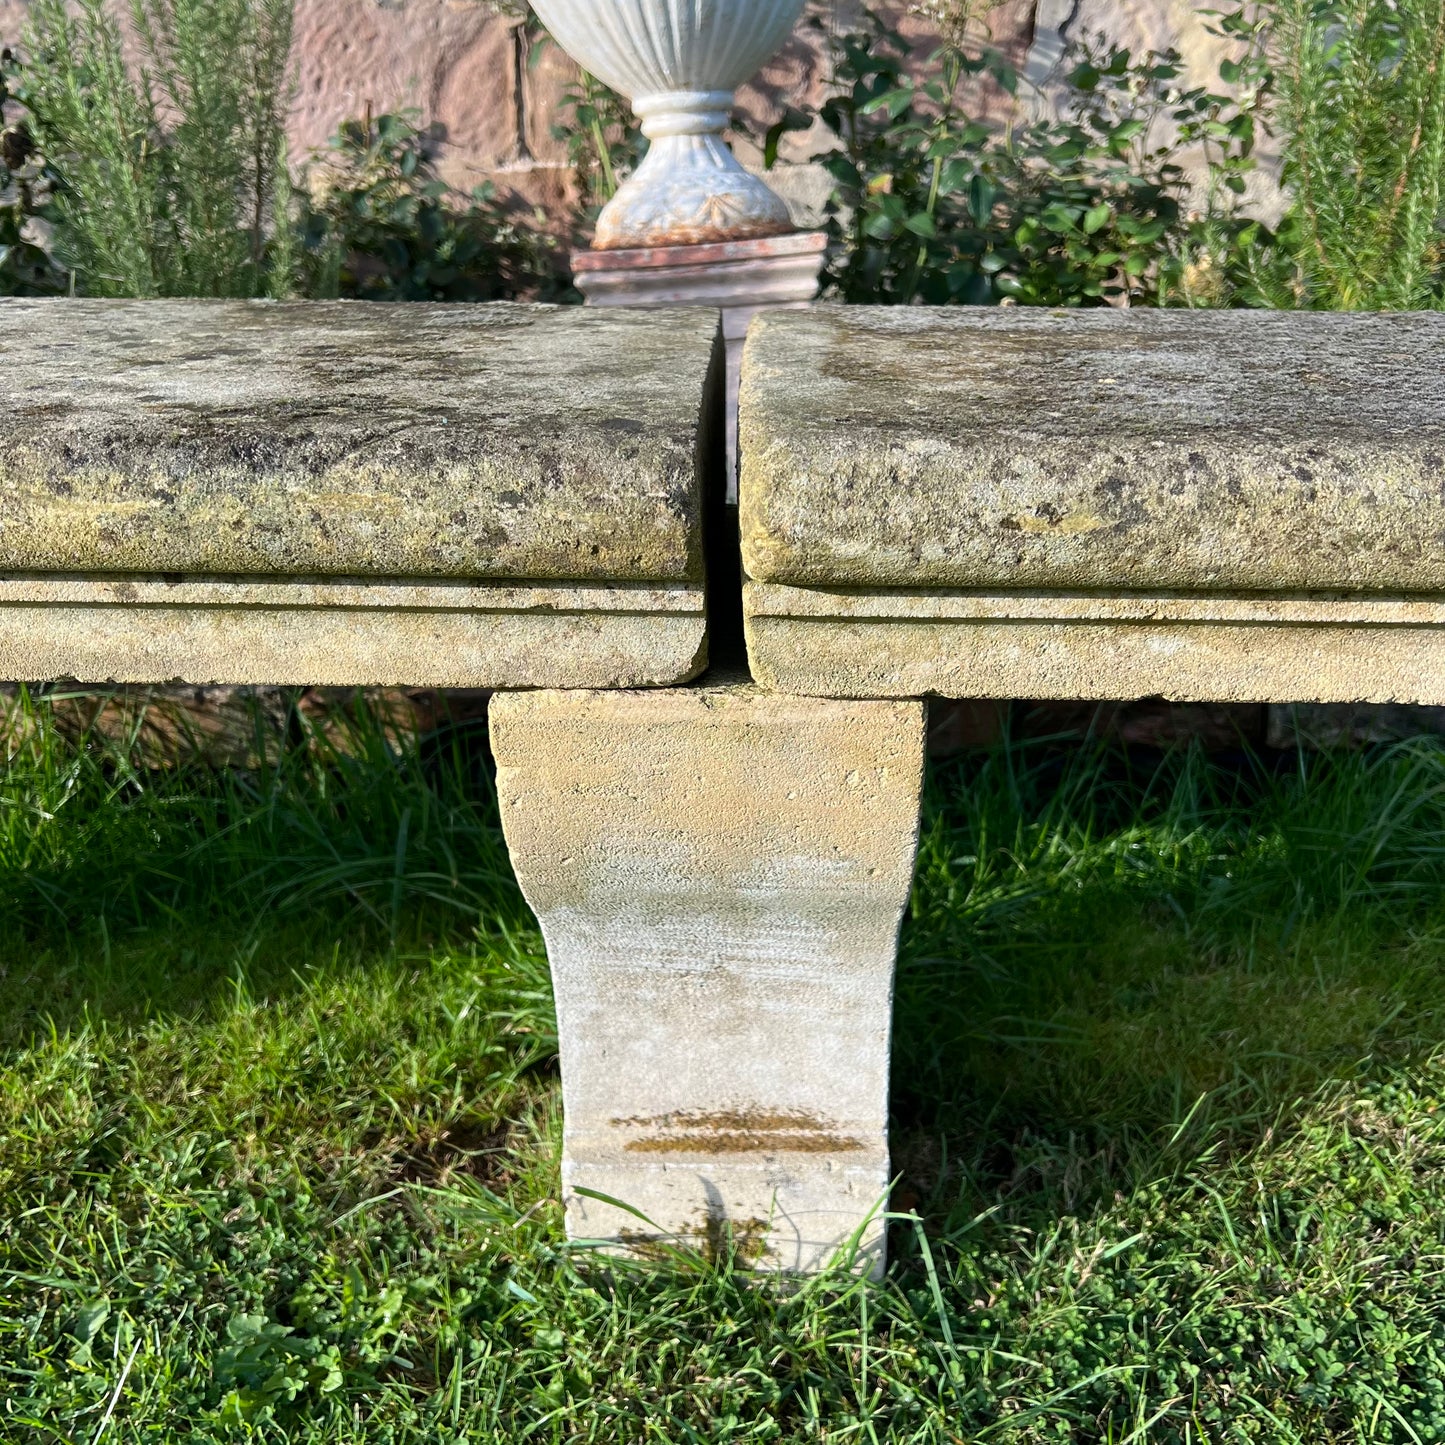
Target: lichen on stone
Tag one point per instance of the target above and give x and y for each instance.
(355, 439)
(1105, 449)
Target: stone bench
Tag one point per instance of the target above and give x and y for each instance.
(1200, 505)
(961, 503)
(341, 493)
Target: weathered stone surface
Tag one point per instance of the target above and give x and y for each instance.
(143, 630)
(719, 875)
(1130, 450)
(1202, 648)
(350, 439)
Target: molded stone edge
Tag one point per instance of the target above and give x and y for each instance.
(1186, 648)
(341, 633)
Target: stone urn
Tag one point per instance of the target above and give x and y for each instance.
(679, 62)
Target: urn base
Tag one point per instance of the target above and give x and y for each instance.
(689, 190)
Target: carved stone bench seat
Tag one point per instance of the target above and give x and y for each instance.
(339, 493)
(1203, 505)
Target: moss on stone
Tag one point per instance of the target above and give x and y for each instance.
(250, 438)
(1102, 449)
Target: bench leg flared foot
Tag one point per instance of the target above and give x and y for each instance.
(719, 874)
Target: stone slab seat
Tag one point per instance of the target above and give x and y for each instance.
(347, 493)
(1238, 506)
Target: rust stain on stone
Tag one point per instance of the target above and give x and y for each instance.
(737, 1131)
(711, 1234)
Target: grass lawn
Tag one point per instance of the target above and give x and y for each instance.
(279, 1121)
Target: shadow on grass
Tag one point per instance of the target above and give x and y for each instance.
(1112, 956)
(132, 894)
(278, 1123)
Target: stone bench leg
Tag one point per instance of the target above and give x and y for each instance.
(719, 874)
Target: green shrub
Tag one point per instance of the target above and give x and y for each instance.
(1362, 113)
(174, 175)
(174, 181)
(1355, 98)
(931, 204)
(379, 225)
(604, 143)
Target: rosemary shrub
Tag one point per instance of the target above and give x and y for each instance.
(1361, 109)
(175, 176)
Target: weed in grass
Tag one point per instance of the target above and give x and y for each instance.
(278, 1121)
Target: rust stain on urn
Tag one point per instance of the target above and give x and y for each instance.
(704, 232)
(737, 1131)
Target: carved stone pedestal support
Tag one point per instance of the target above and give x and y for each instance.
(720, 874)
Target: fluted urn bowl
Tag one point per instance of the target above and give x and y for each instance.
(679, 62)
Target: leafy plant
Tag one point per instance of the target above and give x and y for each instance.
(380, 225)
(175, 182)
(931, 204)
(1354, 95)
(1227, 257)
(27, 204)
(1362, 110)
(270, 1365)
(604, 142)
(175, 179)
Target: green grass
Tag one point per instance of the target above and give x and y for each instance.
(279, 1122)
